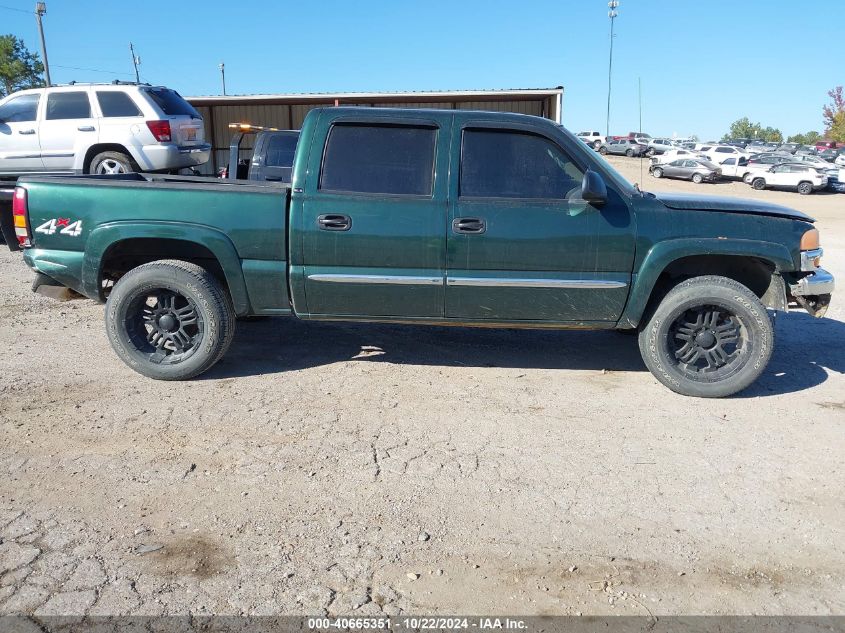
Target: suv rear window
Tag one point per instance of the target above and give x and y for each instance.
(171, 102)
(114, 104)
(68, 105)
(371, 158)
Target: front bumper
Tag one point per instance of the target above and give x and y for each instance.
(813, 292)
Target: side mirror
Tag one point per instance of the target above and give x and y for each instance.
(593, 189)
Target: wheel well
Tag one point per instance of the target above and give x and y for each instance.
(103, 147)
(755, 274)
(125, 255)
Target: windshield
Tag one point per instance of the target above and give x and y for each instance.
(172, 103)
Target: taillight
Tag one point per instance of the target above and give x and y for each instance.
(19, 208)
(161, 130)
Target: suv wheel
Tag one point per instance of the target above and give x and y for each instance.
(657, 172)
(697, 178)
(805, 188)
(602, 150)
(629, 153)
(709, 337)
(169, 320)
(758, 184)
(112, 163)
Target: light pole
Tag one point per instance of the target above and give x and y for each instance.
(612, 5)
(222, 68)
(41, 9)
(136, 61)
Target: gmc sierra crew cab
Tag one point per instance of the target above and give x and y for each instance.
(428, 217)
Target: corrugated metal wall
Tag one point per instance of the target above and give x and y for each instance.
(283, 116)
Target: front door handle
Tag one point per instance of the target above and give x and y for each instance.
(469, 225)
(26, 131)
(86, 128)
(334, 222)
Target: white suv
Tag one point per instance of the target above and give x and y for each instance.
(99, 129)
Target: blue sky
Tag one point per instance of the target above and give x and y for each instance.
(702, 64)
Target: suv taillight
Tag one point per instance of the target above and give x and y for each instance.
(161, 130)
(19, 208)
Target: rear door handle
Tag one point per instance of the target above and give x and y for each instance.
(469, 225)
(26, 131)
(86, 128)
(334, 222)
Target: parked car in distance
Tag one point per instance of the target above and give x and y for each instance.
(815, 161)
(806, 150)
(801, 178)
(822, 145)
(696, 170)
(755, 147)
(623, 146)
(828, 154)
(734, 167)
(675, 154)
(717, 153)
(592, 138)
(658, 146)
(788, 147)
(111, 128)
(840, 160)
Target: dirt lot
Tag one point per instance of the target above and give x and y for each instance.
(360, 469)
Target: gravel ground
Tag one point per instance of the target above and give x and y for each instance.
(334, 468)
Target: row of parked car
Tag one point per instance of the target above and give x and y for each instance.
(762, 165)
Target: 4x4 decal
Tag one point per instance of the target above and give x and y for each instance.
(67, 227)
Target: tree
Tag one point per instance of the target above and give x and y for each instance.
(744, 128)
(772, 135)
(809, 138)
(19, 69)
(834, 115)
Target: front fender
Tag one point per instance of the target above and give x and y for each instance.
(664, 253)
(109, 234)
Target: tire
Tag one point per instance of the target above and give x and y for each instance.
(747, 178)
(602, 150)
(697, 179)
(596, 145)
(629, 153)
(711, 319)
(650, 152)
(805, 188)
(657, 172)
(169, 320)
(112, 163)
(758, 183)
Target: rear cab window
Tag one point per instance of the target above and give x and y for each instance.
(68, 105)
(280, 150)
(171, 102)
(369, 158)
(116, 104)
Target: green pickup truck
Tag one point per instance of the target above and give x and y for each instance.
(427, 217)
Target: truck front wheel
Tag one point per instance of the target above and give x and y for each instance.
(709, 337)
(169, 320)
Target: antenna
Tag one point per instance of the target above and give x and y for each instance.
(136, 61)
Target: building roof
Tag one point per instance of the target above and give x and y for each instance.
(384, 97)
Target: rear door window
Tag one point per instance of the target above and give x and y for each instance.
(116, 104)
(68, 105)
(385, 159)
(512, 164)
(20, 109)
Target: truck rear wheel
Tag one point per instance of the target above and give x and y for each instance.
(709, 337)
(169, 320)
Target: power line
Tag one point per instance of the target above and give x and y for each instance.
(92, 70)
(14, 9)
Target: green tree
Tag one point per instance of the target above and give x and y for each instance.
(19, 69)
(834, 115)
(809, 138)
(772, 135)
(744, 128)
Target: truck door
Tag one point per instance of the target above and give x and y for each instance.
(66, 129)
(521, 244)
(373, 217)
(19, 148)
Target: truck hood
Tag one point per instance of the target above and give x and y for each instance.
(729, 205)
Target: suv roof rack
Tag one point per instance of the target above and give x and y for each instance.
(114, 82)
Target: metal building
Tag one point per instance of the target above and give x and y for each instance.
(287, 111)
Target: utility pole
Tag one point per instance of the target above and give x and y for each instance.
(41, 9)
(222, 68)
(612, 5)
(136, 61)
